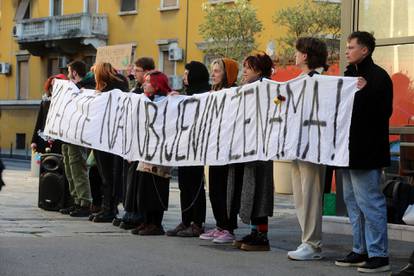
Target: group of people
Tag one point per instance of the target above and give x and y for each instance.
(99, 181)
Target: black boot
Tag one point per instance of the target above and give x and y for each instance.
(106, 215)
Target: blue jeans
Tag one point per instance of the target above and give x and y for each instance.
(367, 211)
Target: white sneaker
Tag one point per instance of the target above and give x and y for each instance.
(305, 252)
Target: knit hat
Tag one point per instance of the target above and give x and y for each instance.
(232, 70)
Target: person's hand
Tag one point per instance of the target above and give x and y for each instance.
(361, 83)
(174, 93)
(33, 146)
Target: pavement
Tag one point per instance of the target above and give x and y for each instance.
(38, 242)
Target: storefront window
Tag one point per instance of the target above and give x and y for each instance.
(398, 60)
(387, 18)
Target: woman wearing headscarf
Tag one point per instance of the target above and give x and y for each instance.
(109, 165)
(191, 179)
(224, 73)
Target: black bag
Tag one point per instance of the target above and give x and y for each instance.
(399, 194)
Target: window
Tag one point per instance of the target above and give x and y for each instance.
(23, 10)
(396, 18)
(398, 60)
(91, 6)
(23, 80)
(169, 4)
(20, 141)
(167, 66)
(56, 7)
(128, 5)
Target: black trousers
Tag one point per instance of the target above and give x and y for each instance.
(218, 198)
(110, 170)
(192, 195)
(412, 258)
(96, 185)
(154, 217)
(130, 202)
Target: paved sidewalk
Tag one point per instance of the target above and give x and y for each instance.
(37, 242)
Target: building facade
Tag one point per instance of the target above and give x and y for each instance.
(39, 37)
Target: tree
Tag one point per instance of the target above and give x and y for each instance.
(229, 29)
(322, 20)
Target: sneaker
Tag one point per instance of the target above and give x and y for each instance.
(138, 228)
(81, 212)
(152, 230)
(352, 259)
(192, 231)
(245, 239)
(408, 270)
(210, 234)
(104, 216)
(224, 237)
(66, 211)
(178, 228)
(257, 242)
(305, 252)
(375, 264)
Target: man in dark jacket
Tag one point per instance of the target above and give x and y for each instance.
(368, 153)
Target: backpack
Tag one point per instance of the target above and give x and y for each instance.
(398, 194)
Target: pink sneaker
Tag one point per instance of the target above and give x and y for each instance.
(210, 234)
(225, 237)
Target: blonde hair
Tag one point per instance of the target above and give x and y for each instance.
(222, 84)
(104, 74)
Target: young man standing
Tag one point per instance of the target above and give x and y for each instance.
(74, 159)
(369, 152)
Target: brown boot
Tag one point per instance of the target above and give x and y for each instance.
(138, 228)
(152, 230)
(192, 231)
(178, 228)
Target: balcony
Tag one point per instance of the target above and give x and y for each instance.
(65, 34)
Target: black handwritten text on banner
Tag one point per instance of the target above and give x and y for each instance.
(232, 125)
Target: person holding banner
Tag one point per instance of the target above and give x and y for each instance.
(369, 152)
(191, 178)
(153, 180)
(74, 159)
(39, 144)
(131, 218)
(251, 184)
(109, 165)
(224, 75)
(308, 178)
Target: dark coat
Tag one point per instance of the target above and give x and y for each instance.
(369, 146)
(88, 82)
(40, 126)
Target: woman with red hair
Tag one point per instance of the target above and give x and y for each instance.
(153, 182)
(39, 140)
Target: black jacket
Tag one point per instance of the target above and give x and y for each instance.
(369, 146)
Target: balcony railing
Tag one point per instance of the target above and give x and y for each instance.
(62, 27)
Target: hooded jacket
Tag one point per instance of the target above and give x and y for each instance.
(232, 70)
(198, 78)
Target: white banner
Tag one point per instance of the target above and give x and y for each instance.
(229, 126)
